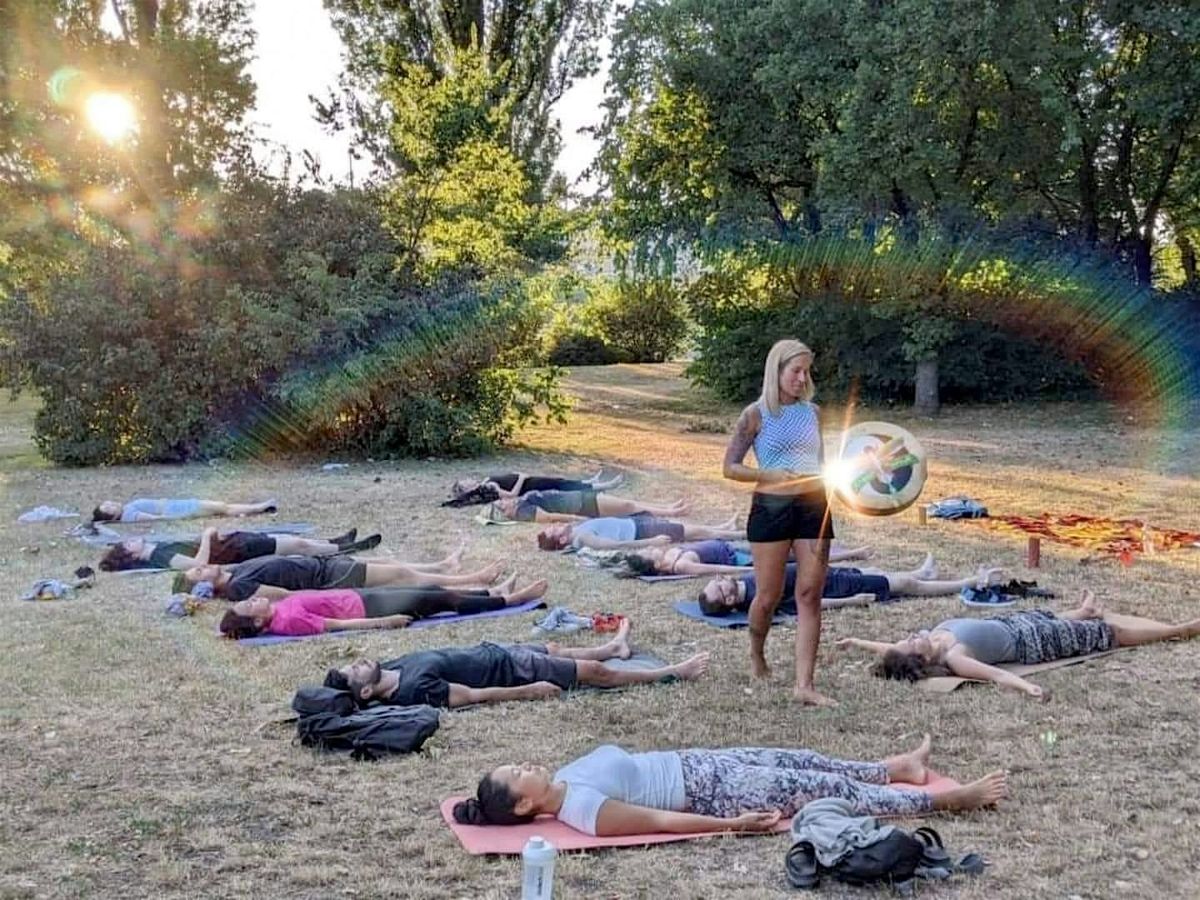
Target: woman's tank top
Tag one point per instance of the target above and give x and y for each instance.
(791, 440)
(713, 553)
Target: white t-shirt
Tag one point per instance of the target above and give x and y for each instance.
(615, 528)
(641, 779)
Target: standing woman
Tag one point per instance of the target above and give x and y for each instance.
(789, 512)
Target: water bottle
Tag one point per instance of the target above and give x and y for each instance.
(537, 881)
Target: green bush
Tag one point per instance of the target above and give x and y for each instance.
(606, 322)
(286, 327)
(861, 346)
(642, 321)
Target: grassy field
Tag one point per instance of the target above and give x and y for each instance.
(139, 754)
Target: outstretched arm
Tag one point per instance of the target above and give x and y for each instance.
(877, 647)
(602, 543)
(968, 667)
(617, 818)
(842, 554)
(691, 567)
(540, 515)
(396, 621)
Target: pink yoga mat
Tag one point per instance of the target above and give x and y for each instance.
(511, 839)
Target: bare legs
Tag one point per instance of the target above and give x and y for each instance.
(725, 531)
(1132, 631)
(532, 591)
(812, 559)
(913, 768)
(770, 562)
(379, 575)
(600, 485)
(217, 508)
(617, 648)
(608, 505)
(289, 545)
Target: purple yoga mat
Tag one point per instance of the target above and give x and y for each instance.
(440, 619)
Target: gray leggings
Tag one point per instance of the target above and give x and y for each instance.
(726, 783)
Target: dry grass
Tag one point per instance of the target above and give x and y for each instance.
(135, 762)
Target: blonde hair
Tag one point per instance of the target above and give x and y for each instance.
(781, 354)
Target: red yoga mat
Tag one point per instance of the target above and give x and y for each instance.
(511, 839)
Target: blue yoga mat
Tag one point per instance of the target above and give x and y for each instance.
(441, 619)
(741, 558)
(163, 537)
(691, 609)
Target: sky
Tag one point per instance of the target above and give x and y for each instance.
(298, 53)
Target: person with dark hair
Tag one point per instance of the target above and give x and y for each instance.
(575, 506)
(612, 792)
(789, 512)
(145, 509)
(632, 532)
(724, 594)
(314, 612)
(224, 549)
(711, 557)
(975, 648)
(495, 673)
(276, 576)
(470, 491)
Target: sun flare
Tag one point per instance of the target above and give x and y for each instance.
(111, 115)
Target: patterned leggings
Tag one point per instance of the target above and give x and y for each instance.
(726, 783)
(1040, 636)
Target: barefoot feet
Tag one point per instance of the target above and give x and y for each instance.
(532, 591)
(811, 697)
(690, 669)
(1091, 608)
(987, 791)
(928, 570)
(618, 647)
(911, 767)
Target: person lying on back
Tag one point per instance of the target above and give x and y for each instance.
(491, 673)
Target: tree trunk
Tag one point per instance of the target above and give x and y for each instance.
(927, 401)
(1187, 259)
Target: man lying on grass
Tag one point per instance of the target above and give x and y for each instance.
(725, 594)
(491, 673)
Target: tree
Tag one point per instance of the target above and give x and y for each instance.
(534, 49)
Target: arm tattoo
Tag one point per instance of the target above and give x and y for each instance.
(742, 440)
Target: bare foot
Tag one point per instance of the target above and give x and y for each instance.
(987, 791)
(729, 524)
(618, 647)
(1191, 629)
(758, 667)
(1091, 608)
(506, 585)
(911, 767)
(928, 570)
(452, 564)
(533, 591)
(810, 697)
(491, 572)
(988, 577)
(679, 508)
(692, 668)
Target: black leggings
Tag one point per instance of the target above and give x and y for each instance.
(427, 600)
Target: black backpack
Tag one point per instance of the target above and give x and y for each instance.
(894, 860)
(330, 721)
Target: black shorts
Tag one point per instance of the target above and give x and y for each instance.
(844, 581)
(648, 526)
(531, 663)
(239, 546)
(342, 572)
(789, 517)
